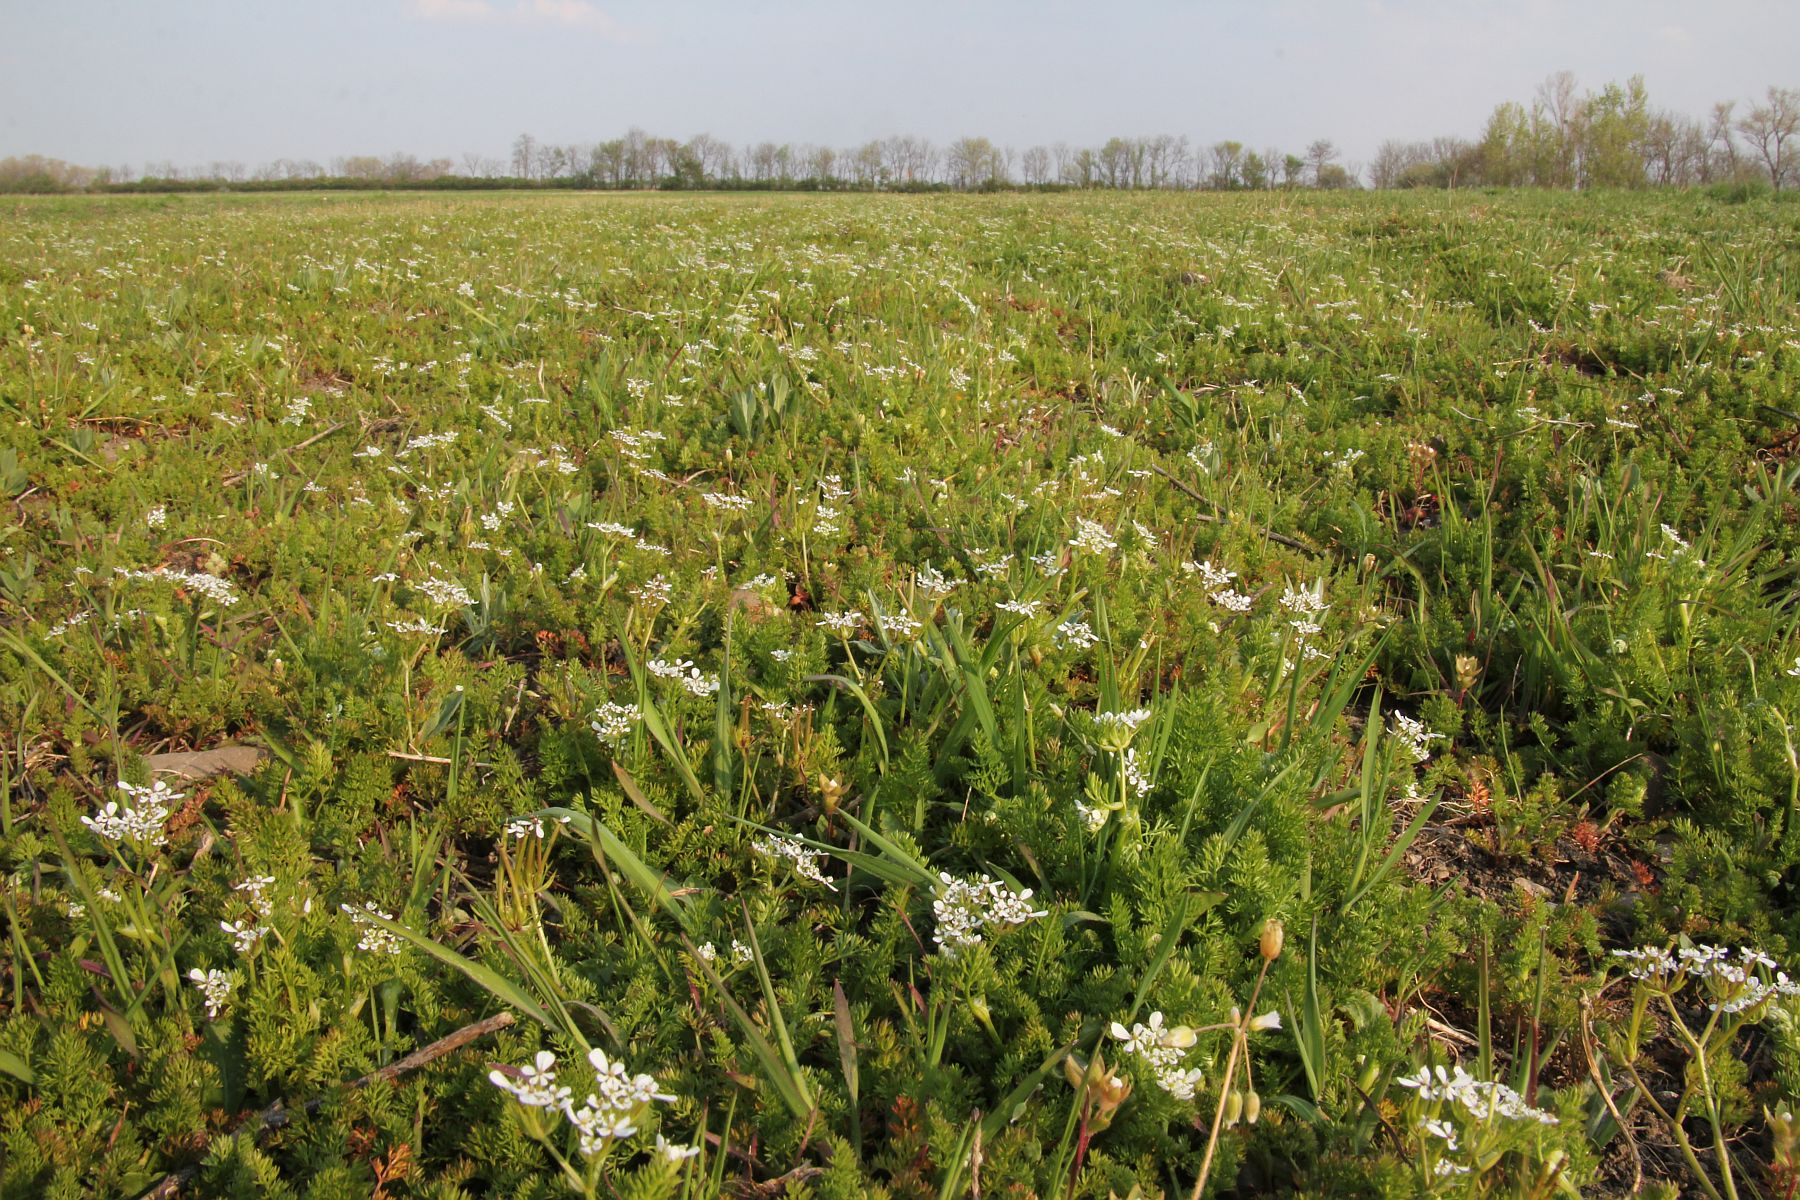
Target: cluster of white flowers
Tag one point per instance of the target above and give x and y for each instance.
(1162, 1048)
(1412, 734)
(1092, 816)
(140, 818)
(444, 592)
(1020, 608)
(990, 565)
(244, 934)
(1092, 537)
(1217, 582)
(740, 953)
(1305, 603)
(1739, 982)
(1679, 544)
(656, 590)
(1481, 1099)
(805, 859)
(426, 441)
(899, 625)
(219, 591)
(1135, 778)
(1077, 634)
(727, 501)
(76, 620)
(840, 622)
(965, 907)
(157, 517)
(1116, 727)
(534, 1085)
(614, 722)
(416, 625)
(1127, 721)
(1211, 577)
(931, 581)
(610, 1112)
(688, 674)
(1230, 600)
(215, 985)
(1445, 1132)
(374, 939)
(257, 886)
(491, 521)
(521, 828)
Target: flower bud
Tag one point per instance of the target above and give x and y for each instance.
(1272, 937)
(1234, 1108)
(1269, 1020)
(1370, 1073)
(978, 1008)
(1252, 1108)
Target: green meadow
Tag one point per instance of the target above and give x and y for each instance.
(903, 696)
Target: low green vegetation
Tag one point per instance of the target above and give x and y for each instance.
(1063, 696)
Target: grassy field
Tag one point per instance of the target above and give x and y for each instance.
(913, 697)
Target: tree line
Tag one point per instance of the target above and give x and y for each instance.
(1562, 138)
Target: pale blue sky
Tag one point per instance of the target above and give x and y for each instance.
(193, 81)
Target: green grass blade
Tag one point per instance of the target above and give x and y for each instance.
(480, 974)
(645, 878)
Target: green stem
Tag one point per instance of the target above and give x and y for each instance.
(1240, 1039)
(1687, 1149)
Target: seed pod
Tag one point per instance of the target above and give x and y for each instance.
(1252, 1108)
(1234, 1108)
(1272, 937)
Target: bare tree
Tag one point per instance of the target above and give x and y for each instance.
(1721, 149)
(866, 167)
(1034, 165)
(713, 155)
(1121, 163)
(1769, 127)
(524, 156)
(974, 162)
(909, 159)
(1559, 109)
(1082, 169)
(1225, 170)
(1256, 172)
(1392, 158)
(1180, 160)
(1320, 155)
(1455, 159)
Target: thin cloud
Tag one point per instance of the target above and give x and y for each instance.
(454, 10)
(578, 14)
(567, 14)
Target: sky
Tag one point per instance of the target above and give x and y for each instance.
(126, 82)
